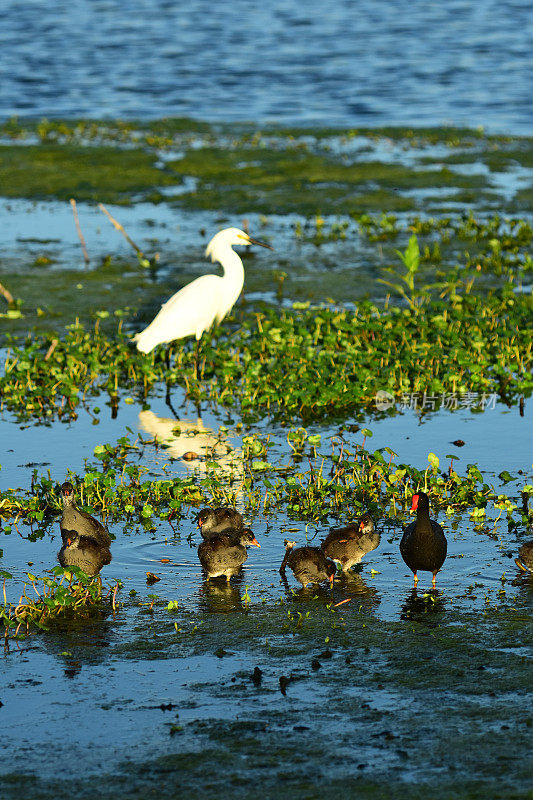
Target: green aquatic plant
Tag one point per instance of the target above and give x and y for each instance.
(321, 478)
(67, 594)
(248, 168)
(406, 288)
(296, 364)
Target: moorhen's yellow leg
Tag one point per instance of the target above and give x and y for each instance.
(416, 580)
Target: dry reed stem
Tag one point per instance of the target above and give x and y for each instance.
(78, 229)
(120, 228)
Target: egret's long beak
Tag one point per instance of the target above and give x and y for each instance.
(249, 240)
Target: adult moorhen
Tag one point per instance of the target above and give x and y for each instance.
(423, 545)
(349, 544)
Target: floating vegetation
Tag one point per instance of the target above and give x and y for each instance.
(68, 594)
(244, 167)
(323, 479)
(300, 363)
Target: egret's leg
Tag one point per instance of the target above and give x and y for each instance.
(167, 357)
(196, 359)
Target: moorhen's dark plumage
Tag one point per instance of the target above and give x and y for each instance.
(86, 541)
(423, 545)
(225, 553)
(349, 544)
(221, 519)
(525, 557)
(309, 564)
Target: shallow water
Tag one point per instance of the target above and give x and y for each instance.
(424, 694)
(149, 698)
(365, 63)
(495, 440)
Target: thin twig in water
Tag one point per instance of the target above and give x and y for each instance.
(342, 602)
(7, 295)
(120, 228)
(51, 349)
(78, 228)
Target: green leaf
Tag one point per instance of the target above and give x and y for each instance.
(434, 461)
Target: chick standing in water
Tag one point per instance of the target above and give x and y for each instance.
(309, 564)
(225, 553)
(86, 541)
(349, 544)
(221, 519)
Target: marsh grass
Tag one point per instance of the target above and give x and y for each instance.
(67, 594)
(291, 364)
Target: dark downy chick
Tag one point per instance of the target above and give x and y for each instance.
(349, 544)
(225, 553)
(86, 541)
(309, 564)
(221, 519)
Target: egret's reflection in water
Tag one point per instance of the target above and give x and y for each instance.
(194, 444)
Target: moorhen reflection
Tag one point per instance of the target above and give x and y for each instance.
(352, 585)
(220, 597)
(423, 545)
(421, 606)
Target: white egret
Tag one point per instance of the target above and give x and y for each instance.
(206, 300)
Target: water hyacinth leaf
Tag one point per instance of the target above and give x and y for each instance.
(258, 466)
(434, 461)
(505, 476)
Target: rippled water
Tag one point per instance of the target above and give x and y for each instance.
(371, 62)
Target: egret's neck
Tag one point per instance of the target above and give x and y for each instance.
(232, 266)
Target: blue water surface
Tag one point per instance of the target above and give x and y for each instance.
(344, 63)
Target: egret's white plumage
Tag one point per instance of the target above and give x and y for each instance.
(206, 300)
